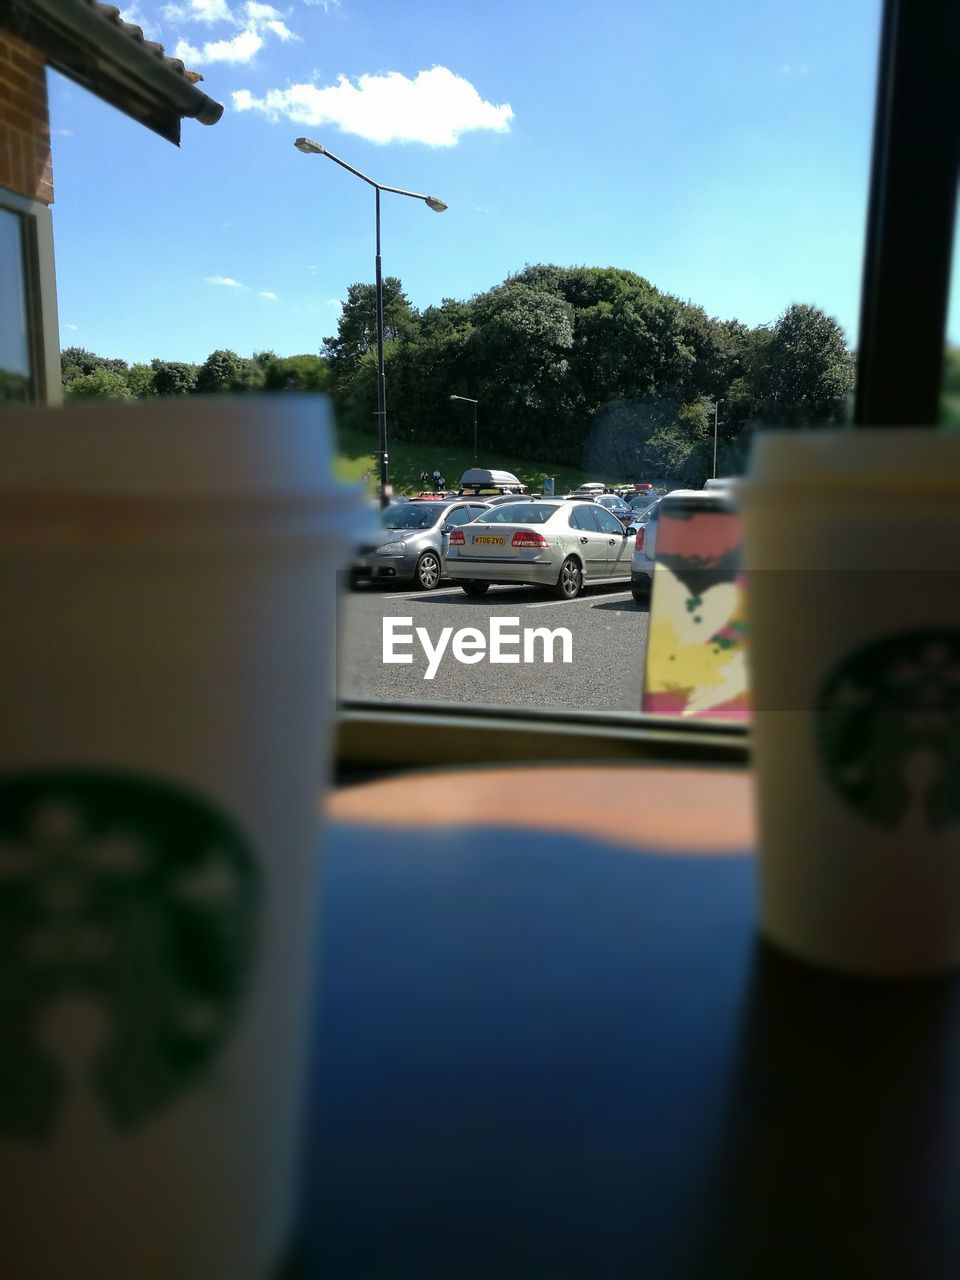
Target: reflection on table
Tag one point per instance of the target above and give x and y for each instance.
(566, 1054)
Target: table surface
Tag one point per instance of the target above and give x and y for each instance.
(550, 1044)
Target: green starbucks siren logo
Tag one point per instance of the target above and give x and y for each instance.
(135, 903)
(888, 728)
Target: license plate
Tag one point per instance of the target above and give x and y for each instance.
(488, 541)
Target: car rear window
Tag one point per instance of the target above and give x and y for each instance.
(520, 513)
(412, 515)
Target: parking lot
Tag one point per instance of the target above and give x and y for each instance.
(607, 636)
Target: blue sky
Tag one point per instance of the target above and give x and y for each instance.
(720, 150)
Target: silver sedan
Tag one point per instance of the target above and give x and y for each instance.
(547, 543)
(411, 548)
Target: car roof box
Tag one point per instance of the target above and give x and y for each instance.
(481, 478)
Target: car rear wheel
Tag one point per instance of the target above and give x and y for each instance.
(475, 588)
(570, 580)
(641, 593)
(427, 572)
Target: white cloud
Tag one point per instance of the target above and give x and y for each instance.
(132, 13)
(199, 11)
(267, 293)
(794, 69)
(72, 327)
(61, 133)
(280, 30)
(227, 281)
(241, 48)
(334, 302)
(435, 108)
(327, 6)
(256, 21)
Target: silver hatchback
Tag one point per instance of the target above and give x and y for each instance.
(411, 549)
(545, 544)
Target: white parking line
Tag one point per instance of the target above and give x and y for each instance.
(405, 595)
(613, 595)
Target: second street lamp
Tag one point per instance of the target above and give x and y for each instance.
(474, 403)
(311, 148)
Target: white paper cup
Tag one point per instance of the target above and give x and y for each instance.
(852, 551)
(168, 574)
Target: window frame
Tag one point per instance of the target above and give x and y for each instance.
(43, 337)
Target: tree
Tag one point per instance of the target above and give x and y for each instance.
(801, 370)
(651, 438)
(78, 362)
(14, 387)
(101, 384)
(357, 326)
(950, 404)
(297, 373)
(223, 371)
(140, 380)
(173, 377)
(634, 345)
(517, 358)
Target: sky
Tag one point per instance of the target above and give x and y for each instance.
(719, 150)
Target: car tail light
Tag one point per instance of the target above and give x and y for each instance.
(638, 545)
(524, 538)
(457, 539)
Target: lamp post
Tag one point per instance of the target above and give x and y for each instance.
(716, 412)
(474, 403)
(311, 148)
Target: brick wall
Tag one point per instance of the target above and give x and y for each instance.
(24, 121)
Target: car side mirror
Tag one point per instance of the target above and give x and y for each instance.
(445, 528)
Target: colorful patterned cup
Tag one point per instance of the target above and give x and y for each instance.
(852, 552)
(696, 664)
(168, 576)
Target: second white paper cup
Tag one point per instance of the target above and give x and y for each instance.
(852, 551)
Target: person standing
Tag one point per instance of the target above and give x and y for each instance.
(436, 479)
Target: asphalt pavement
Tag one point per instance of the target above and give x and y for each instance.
(607, 635)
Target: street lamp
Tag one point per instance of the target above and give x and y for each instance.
(474, 403)
(311, 148)
(716, 411)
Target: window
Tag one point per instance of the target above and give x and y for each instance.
(520, 513)
(460, 515)
(16, 366)
(632, 321)
(950, 403)
(29, 346)
(581, 517)
(607, 523)
(656, 370)
(413, 515)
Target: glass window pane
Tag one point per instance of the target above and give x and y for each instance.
(626, 323)
(608, 523)
(15, 380)
(696, 281)
(950, 404)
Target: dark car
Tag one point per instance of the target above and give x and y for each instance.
(412, 547)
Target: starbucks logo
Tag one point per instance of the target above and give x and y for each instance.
(128, 920)
(888, 727)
